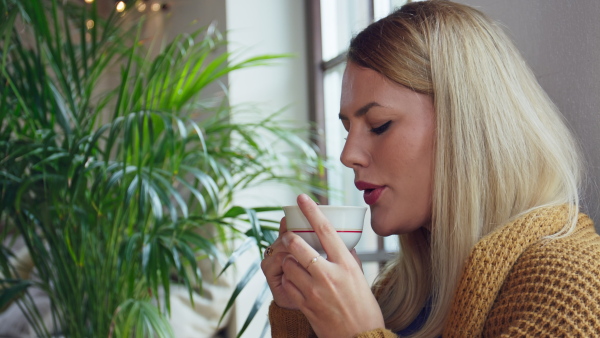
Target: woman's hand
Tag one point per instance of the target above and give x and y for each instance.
(333, 294)
(271, 266)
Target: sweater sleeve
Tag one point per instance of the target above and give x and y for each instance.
(377, 333)
(292, 323)
(288, 323)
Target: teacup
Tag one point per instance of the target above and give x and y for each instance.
(348, 221)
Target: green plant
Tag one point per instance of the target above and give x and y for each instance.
(111, 190)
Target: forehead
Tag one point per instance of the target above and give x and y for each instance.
(359, 83)
(364, 88)
(355, 73)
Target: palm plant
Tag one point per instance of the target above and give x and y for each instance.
(111, 191)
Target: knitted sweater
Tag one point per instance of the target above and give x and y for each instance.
(514, 283)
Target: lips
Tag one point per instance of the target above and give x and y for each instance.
(371, 191)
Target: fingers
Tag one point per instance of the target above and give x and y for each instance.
(274, 255)
(272, 267)
(296, 246)
(277, 245)
(282, 226)
(295, 279)
(331, 242)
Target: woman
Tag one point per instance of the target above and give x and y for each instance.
(459, 152)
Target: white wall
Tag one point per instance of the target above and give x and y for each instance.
(561, 42)
(257, 27)
(260, 27)
(252, 27)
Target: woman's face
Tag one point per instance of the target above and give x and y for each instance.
(390, 148)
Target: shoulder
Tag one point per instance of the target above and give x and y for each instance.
(553, 287)
(576, 254)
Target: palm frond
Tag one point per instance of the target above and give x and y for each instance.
(113, 191)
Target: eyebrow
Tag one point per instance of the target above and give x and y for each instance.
(362, 110)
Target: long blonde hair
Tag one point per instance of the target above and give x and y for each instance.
(501, 148)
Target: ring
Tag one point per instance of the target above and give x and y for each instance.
(268, 251)
(314, 260)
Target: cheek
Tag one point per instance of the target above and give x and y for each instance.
(400, 156)
(415, 152)
(409, 168)
(418, 165)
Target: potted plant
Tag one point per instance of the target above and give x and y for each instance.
(110, 191)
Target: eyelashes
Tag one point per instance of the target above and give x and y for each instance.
(381, 129)
(377, 130)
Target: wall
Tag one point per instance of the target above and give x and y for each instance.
(252, 27)
(187, 16)
(561, 42)
(267, 27)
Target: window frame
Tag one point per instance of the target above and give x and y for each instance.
(317, 67)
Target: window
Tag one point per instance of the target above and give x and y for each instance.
(332, 23)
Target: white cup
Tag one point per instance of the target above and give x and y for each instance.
(348, 221)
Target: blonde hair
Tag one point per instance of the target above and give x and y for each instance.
(501, 148)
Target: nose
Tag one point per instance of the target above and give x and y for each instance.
(355, 153)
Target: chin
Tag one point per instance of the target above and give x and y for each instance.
(383, 233)
(386, 228)
(381, 229)
(387, 232)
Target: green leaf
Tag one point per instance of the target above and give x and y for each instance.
(142, 318)
(111, 189)
(250, 242)
(258, 302)
(15, 290)
(234, 212)
(240, 286)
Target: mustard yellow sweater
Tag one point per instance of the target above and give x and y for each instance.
(515, 283)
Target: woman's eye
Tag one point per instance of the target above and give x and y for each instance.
(381, 129)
